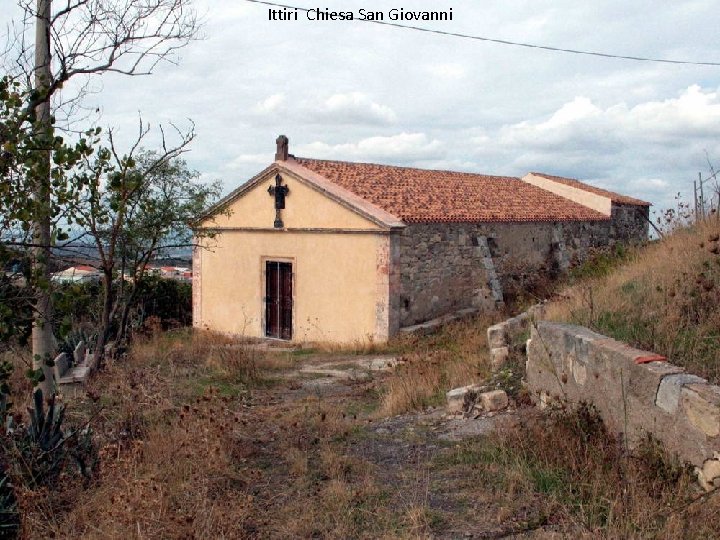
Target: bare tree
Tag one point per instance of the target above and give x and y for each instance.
(132, 205)
(81, 38)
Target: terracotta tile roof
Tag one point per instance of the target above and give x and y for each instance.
(614, 197)
(419, 195)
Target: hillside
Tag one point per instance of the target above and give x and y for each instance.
(664, 297)
(199, 436)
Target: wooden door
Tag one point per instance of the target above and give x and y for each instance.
(278, 300)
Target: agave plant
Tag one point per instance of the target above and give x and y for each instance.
(42, 443)
(74, 337)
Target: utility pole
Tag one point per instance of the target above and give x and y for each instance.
(702, 196)
(42, 334)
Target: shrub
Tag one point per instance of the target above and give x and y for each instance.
(168, 300)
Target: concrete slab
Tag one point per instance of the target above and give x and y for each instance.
(668, 394)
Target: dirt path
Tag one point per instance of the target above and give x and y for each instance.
(327, 466)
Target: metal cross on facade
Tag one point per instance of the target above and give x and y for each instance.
(279, 192)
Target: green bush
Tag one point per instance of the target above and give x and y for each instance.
(167, 299)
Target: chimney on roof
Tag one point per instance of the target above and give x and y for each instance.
(281, 153)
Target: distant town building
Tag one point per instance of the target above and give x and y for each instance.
(77, 274)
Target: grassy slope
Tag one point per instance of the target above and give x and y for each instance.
(198, 440)
(664, 298)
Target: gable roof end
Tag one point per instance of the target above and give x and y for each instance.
(340, 195)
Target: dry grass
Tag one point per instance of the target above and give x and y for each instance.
(195, 443)
(169, 441)
(586, 477)
(455, 356)
(664, 299)
(566, 473)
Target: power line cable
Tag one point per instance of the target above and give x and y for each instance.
(505, 41)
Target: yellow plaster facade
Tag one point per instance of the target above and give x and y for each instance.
(305, 208)
(339, 266)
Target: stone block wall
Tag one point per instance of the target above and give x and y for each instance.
(636, 392)
(443, 269)
(629, 223)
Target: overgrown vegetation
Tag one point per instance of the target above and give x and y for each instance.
(455, 356)
(202, 436)
(662, 298)
(579, 475)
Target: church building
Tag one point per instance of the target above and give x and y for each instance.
(332, 251)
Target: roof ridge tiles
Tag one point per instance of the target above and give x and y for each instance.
(425, 195)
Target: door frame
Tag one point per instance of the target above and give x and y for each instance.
(263, 288)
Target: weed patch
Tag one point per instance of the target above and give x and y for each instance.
(434, 364)
(662, 298)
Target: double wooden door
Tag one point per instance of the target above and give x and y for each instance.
(278, 299)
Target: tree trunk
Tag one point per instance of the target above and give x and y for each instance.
(105, 317)
(125, 317)
(43, 343)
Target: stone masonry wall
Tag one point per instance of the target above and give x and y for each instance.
(635, 392)
(442, 268)
(629, 223)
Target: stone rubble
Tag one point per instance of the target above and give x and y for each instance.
(475, 400)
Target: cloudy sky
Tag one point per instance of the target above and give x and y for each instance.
(363, 92)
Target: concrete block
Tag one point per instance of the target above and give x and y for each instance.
(701, 404)
(668, 394)
(709, 474)
(458, 397)
(61, 365)
(645, 379)
(579, 372)
(498, 357)
(633, 393)
(75, 375)
(494, 401)
(496, 336)
(79, 354)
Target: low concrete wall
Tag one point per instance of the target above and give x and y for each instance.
(503, 335)
(636, 392)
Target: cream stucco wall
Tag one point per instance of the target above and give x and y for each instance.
(305, 207)
(339, 258)
(335, 287)
(591, 200)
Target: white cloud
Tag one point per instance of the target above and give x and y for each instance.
(353, 108)
(243, 160)
(694, 113)
(271, 104)
(582, 125)
(449, 70)
(401, 148)
(651, 183)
